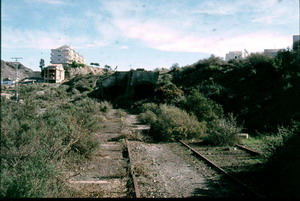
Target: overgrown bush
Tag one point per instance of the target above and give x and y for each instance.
(105, 106)
(149, 106)
(169, 123)
(167, 93)
(284, 163)
(83, 83)
(35, 146)
(27, 168)
(263, 91)
(148, 117)
(204, 108)
(224, 132)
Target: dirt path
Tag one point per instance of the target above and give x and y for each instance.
(106, 174)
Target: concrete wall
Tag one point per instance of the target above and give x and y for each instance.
(114, 79)
(126, 82)
(143, 76)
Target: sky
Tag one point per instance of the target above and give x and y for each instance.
(145, 34)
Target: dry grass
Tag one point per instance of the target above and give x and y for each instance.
(133, 135)
(140, 170)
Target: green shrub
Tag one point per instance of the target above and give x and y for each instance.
(35, 147)
(105, 106)
(149, 106)
(204, 108)
(85, 145)
(224, 132)
(168, 93)
(283, 163)
(169, 123)
(26, 152)
(120, 113)
(74, 91)
(274, 142)
(148, 117)
(82, 83)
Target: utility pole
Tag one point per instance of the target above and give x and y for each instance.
(16, 82)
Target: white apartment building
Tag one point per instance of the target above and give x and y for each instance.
(234, 55)
(65, 55)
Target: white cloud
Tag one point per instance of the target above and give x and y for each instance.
(124, 47)
(253, 42)
(265, 12)
(53, 2)
(279, 15)
(157, 36)
(216, 8)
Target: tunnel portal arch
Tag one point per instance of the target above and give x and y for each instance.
(143, 90)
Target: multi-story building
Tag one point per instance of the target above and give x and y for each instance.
(65, 55)
(54, 73)
(234, 55)
(271, 52)
(296, 38)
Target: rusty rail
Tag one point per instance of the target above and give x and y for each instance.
(135, 185)
(250, 151)
(212, 164)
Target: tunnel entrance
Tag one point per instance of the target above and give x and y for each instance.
(111, 93)
(143, 90)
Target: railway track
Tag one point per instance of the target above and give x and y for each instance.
(250, 151)
(212, 159)
(164, 179)
(132, 173)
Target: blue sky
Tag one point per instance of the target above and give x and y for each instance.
(144, 33)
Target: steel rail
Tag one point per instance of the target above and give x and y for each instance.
(212, 164)
(135, 185)
(250, 151)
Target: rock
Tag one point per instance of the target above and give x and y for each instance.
(243, 135)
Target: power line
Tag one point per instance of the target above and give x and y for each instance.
(16, 81)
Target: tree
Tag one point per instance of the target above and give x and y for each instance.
(95, 64)
(107, 67)
(42, 64)
(74, 64)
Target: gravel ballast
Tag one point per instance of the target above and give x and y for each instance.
(170, 171)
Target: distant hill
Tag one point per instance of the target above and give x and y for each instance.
(8, 70)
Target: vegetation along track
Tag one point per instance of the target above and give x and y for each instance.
(230, 161)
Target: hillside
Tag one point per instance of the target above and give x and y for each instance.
(85, 71)
(8, 71)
